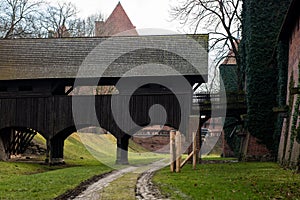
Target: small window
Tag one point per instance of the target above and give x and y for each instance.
(24, 88)
(3, 89)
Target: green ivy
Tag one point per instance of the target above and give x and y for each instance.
(261, 26)
(230, 85)
(229, 78)
(231, 138)
(298, 133)
(282, 71)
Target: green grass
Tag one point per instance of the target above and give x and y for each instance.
(216, 157)
(122, 188)
(46, 185)
(104, 148)
(230, 181)
(35, 181)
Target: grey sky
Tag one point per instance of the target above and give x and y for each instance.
(143, 13)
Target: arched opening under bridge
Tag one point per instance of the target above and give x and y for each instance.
(17, 143)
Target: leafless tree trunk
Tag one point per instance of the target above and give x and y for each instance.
(221, 18)
(59, 20)
(28, 18)
(86, 27)
(90, 24)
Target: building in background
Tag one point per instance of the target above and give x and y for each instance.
(288, 64)
(117, 23)
(237, 141)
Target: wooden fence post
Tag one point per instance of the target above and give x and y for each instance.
(195, 151)
(172, 151)
(178, 151)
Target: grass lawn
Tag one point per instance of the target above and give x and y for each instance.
(216, 157)
(230, 181)
(44, 185)
(104, 148)
(35, 181)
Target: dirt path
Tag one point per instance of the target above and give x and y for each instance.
(93, 191)
(144, 187)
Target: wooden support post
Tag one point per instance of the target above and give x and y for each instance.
(195, 151)
(48, 149)
(172, 151)
(245, 151)
(187, 159)
(178, 151)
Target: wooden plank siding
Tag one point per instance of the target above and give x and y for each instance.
(52, 115)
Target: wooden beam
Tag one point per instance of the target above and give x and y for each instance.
(178, 151)
(281, 109)
(196, 86)
(195, 151)
(172, 151)
(69, 90)
(187, 159)
(295, 90)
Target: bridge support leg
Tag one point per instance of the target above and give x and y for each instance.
(57, 151)
(122, 150)
(3, 154)
(5, 142)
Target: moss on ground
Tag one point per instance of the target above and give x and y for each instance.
(122, 188)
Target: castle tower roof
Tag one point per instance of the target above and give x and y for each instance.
(116, 23)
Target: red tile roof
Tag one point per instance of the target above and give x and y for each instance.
(230, 58)
(116, 23)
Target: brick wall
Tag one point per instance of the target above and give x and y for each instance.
(227, 151)
(290, 155)
(154, 143)
(256, 149)
(253, 150)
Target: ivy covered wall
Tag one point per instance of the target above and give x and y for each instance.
(229, 84)
(229, 77)
(261, 25)
(282, 85)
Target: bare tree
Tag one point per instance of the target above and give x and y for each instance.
(86, 27)
(59, 20)
(18, 18)
(91, 23)
(221, 18)
(29, 18)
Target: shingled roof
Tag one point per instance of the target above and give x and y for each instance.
(62, 57)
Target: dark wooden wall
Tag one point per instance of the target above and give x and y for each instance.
(54, 115)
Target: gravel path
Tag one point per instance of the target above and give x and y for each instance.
(93, 191)
(145, 189)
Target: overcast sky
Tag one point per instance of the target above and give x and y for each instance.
(143, 13)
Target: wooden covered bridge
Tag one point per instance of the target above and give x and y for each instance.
(38, 75)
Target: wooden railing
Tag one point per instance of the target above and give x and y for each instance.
(206, 102)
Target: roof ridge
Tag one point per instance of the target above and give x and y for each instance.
(119, 6)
